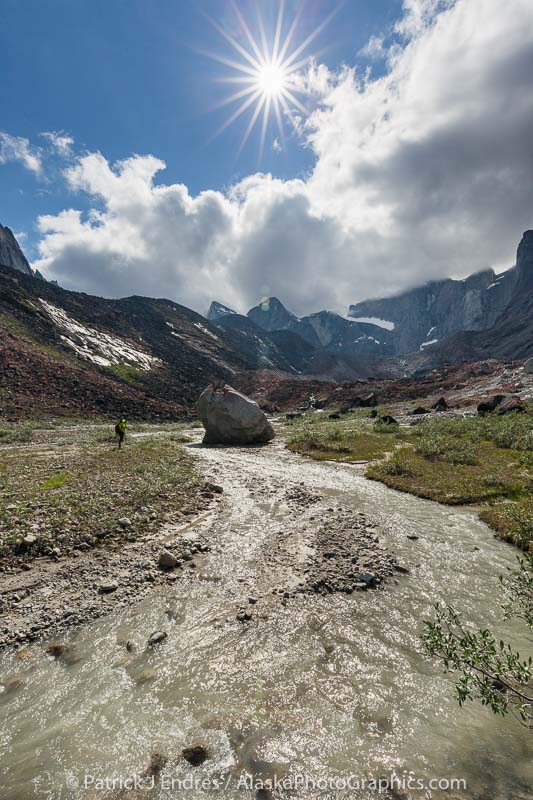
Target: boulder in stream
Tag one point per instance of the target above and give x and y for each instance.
(195, 755)
(230, 417)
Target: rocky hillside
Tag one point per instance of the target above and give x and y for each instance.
(64, 352)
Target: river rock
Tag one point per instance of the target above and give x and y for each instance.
(167, 560)
(106, 587)
(230, 417)
(195, 755)
(156, 638)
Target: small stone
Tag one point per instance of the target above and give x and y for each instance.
(252, 600)
(213, 487)
(401, 570)
(157, 638)
(167, 560)
(107, 587)
(195, 755)
(124, 522)
(368, 578)
(413, 537)
(29, 539)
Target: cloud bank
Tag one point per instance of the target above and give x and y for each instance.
(423, 173)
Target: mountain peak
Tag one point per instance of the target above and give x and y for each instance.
(11, 254)
(524, 264)
(217, 310)
(524, 255)
(271, 315)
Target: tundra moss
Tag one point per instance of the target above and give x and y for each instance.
(61, 496)
(471, 460)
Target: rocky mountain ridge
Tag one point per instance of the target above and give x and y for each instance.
(480, 316)
(429, 314)
(65, 352)
(11, 254)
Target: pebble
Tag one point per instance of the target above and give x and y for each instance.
(124, 522)
(107, 587)
(156, 638)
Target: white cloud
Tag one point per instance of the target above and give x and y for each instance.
(422, 173)
(59, 141)
(17, 148)
(374, 48)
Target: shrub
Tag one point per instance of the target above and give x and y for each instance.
(398, 464)
(384, 427)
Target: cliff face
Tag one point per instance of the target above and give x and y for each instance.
(430, 313)
(10, 253)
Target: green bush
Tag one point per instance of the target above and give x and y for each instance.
(398, 464)
(384, 427)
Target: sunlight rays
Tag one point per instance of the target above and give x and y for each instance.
(265, 69)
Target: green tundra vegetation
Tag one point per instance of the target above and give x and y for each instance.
(484, 461)
(69, 485)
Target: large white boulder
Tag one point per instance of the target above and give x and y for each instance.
(528, 366)
(230, 417)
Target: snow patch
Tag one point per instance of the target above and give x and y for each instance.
(431, 330)
(206, 330)
(381, 323)
(93, 345)
(427, 344)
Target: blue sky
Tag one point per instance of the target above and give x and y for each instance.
(412, 160)
(130, 76)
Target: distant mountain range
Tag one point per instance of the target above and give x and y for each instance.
(65, 352)
(423, 324)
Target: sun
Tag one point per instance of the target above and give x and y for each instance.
(271, 79)
(265, 70)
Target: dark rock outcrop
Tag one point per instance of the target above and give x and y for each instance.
(10, 253)
(486, 406)
(441, 405)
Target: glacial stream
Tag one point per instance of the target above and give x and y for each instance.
(317, 692)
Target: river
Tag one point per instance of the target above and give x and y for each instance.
(326, 690)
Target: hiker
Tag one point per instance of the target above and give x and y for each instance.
(120, 431)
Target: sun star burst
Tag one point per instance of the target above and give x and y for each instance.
(265, 70)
